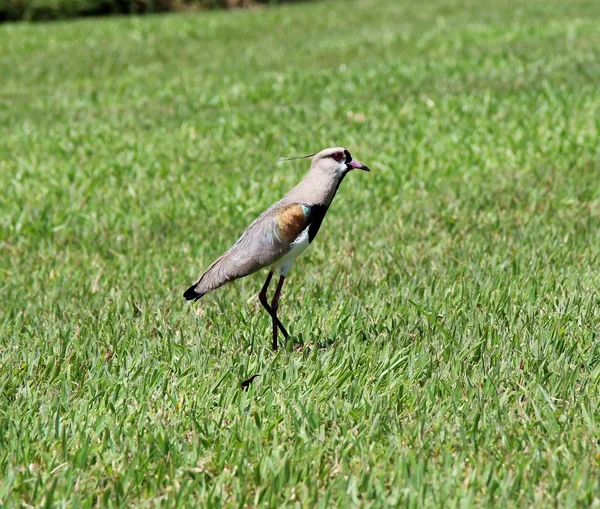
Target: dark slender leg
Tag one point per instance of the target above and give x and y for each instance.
(262, 296)
(275, 307)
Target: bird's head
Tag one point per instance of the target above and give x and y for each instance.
(336, 161)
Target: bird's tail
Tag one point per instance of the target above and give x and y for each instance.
(192, 294)
(215, 276)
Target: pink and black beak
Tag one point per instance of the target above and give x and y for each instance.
(353, 164)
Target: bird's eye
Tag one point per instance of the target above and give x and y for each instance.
(338, 156)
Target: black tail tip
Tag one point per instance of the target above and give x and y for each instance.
(192, 294)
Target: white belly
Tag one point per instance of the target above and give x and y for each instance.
(296, 249)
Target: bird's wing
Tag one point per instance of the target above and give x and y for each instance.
(264, 242)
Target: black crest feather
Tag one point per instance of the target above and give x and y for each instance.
(293, 158)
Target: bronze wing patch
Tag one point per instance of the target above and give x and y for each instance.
(292, 220)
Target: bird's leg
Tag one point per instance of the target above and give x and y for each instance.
(275, 307)
(262, 296)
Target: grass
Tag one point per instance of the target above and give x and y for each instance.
(445, 322)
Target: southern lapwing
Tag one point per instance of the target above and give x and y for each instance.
(281, 233)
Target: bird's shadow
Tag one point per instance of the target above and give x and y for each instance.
(325, 343)
(299, 344)
(245, 385)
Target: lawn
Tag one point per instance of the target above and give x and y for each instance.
(445, 323)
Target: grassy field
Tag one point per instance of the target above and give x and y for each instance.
(445, 323)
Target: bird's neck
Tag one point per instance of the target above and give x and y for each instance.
(317, 188)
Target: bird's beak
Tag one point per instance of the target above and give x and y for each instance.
(354, 164)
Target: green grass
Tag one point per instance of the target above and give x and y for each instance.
(445, 323)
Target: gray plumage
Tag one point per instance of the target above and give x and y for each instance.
(257, 248)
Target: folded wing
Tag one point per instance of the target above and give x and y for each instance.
(264, 242)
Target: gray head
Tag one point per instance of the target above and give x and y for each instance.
(327, 170)
(335, 162)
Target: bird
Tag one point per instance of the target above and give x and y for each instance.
(281, 233)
